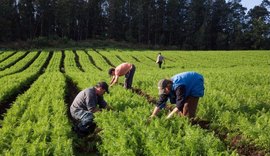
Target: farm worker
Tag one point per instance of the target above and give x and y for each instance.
(85, 104)
(126, 69)
(160, 60)
(184, 90)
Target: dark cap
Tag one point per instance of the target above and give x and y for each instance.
(162, 85)
(104, 86)
(110, 71)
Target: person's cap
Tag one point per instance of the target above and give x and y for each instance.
(110, 71)
(162, 85)
(104, 86)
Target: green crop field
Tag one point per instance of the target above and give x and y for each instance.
(37, 87)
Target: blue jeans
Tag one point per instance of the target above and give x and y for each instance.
(86, 125)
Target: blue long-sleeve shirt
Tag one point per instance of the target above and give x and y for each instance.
(184, 85)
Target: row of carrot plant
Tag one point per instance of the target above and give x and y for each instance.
(37, 123)
(236, 101)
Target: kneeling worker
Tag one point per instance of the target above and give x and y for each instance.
(85, 104)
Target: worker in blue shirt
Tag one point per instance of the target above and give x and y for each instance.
(184, 90)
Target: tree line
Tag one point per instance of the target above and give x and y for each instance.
(186, 24)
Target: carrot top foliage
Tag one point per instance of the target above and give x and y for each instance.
(236, 103)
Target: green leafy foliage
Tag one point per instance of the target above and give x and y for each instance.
(236, 103)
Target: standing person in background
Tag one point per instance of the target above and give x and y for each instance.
(126, 69)
(160, 60)
(85, 104)
(184, 90)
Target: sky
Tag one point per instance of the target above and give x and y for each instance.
(249, 4)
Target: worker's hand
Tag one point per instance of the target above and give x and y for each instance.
(149, 119)
(96, 110)
(97, 130)
(180, 113)
(109, 107)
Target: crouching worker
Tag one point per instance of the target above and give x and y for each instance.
(184, 90)
(85, 104)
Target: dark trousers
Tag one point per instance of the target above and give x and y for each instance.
(190, 107)
(129, 78)
(159, 64)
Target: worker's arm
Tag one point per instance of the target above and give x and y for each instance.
(161, 103)
(112, 79)
(155, 111)
(179, 92)
(172, 112)
(108, 107)
(94, 110)
(89, 95)
(115, 80)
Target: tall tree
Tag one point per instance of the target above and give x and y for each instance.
(96, 21)
(196, 16)
(27, 19)
(117, 19)
(236, 24)
(9, 20)
(259, 29)
(44, 17)
(61, 17)
(217, 25)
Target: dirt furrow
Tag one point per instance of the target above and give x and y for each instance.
(92, 60)
(78, 61)
(105, 58)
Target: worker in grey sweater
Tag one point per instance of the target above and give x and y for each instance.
(85, 104)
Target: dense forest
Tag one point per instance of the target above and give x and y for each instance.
(186, 24)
